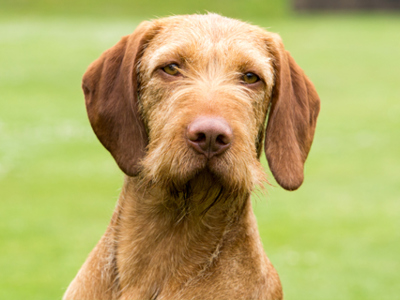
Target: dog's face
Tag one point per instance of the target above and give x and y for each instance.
(205, 74)
(186, 95)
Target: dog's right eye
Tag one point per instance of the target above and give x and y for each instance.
(250, 78)
(171, 69)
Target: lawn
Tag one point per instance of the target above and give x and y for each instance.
(337, 237)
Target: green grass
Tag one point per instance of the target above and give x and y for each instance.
(337, 237)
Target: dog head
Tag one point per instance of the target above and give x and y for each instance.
(190, 94)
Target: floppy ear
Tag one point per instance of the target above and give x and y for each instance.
(292, 119)
(110, 88)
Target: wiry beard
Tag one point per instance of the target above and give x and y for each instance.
(234, 172)
(200, 194)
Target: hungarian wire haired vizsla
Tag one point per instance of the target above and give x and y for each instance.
(185, 105)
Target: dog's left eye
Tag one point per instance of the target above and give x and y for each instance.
(250, 78)
(171, 69)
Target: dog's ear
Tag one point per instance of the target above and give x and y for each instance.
(292, 119)
(110, 88)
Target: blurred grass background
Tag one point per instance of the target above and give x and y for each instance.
(337, 237)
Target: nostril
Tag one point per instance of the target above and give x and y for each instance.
(222, 139)
(200, 137)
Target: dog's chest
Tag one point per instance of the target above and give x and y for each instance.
(227, 282)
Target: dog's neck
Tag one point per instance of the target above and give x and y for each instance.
(163, 239)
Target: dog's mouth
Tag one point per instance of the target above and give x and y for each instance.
(219, 170)
(208, 165)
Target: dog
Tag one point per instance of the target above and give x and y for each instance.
(181, 104)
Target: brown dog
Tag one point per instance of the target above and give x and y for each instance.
(181, 104)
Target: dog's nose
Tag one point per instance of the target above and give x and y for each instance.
(209, 136)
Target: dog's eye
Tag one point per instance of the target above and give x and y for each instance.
(250, 78)
(171, 69)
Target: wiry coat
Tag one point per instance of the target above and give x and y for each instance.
(183, 227)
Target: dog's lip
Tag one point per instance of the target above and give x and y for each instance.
(215, 156)
(205, 168)
(208, 163)
(204, 162)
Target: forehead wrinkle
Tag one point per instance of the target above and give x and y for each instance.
(177, 44)
(244, 56)
(161, 55)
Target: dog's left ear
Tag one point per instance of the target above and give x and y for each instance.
(110, 88)
(292, 119)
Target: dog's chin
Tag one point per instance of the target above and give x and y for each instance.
(211, 173)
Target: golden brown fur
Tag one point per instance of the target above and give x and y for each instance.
(183, 227)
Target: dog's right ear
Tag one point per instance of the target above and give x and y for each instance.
(110, 88)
